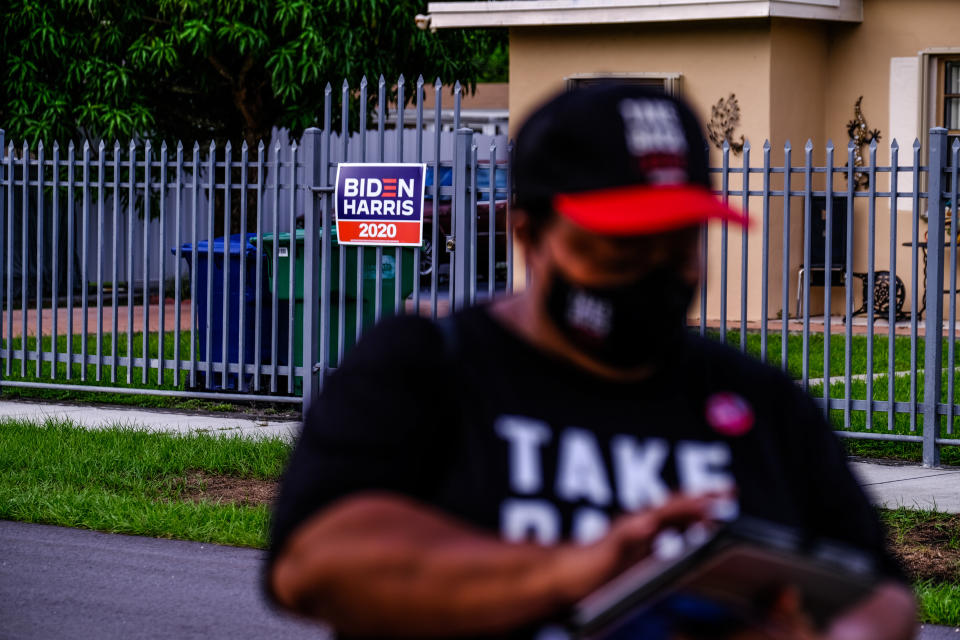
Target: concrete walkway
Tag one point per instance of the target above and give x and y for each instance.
(893, 485)
(98, 417)
(888, 484)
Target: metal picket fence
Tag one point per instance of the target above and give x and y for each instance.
(196, 271)
(892, 194)
(115, 275)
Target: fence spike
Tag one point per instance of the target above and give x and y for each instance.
(786, 146)
(39, 146)
(746, 145)
(196, 146)
(851, 146)
(56, 146)
(346, 85)
(327, 88)
(830, 144)
(956, 144)
(381, 82)
(163, 145)
(725, 147)
(260, 147)
(456, 87)
(894, 145)
(70, 146)
(809, 145)
(179, 145)
(916, 143)
(420, 80)
(213, 145)
(116, 146)
(132, 145)
(401, 81)
(766, 145)
(873, 144)
(86, 145)
(147, 146)
(228, 147)
(438, 83)
(243, 146)
(363, 81)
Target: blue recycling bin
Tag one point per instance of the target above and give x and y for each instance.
(242, 255)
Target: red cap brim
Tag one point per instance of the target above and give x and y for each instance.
(638, 210)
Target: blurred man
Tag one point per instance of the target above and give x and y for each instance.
(478, 476)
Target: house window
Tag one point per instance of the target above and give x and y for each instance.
(949, 102)
(668, 83)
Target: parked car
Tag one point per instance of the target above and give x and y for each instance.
(444, 218)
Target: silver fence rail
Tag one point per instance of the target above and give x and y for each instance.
(214, 272)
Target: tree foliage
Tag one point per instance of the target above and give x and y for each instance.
(208, 69)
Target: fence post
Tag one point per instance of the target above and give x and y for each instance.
(933, 323)
(463, 220)
(312, 167)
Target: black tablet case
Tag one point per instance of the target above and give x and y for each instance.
(739, 567)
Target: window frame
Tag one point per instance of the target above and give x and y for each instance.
(671, 82)
(942, 96)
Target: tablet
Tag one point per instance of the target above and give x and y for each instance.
(727, 580)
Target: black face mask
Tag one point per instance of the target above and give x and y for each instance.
(627, 326)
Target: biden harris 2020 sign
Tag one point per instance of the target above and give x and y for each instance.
(380, 204)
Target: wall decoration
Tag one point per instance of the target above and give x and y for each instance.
(861, 135)
(724, 119)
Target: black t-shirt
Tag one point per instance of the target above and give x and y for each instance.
(475, 421)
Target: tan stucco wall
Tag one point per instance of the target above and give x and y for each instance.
(705, 54)
(795, 80)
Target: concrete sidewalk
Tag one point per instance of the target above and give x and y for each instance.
(889, 484)
(893, 485)
(98, 417)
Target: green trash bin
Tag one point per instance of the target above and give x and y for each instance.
(387, 294)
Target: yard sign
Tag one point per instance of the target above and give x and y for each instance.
(380, 204)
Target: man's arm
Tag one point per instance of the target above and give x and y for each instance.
(377, 564)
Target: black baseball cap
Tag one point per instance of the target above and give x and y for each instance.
(617, 159)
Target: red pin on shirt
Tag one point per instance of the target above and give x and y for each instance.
(729, 414)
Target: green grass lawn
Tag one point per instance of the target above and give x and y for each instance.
(121, 480)
(104, 376)
(127, 481)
